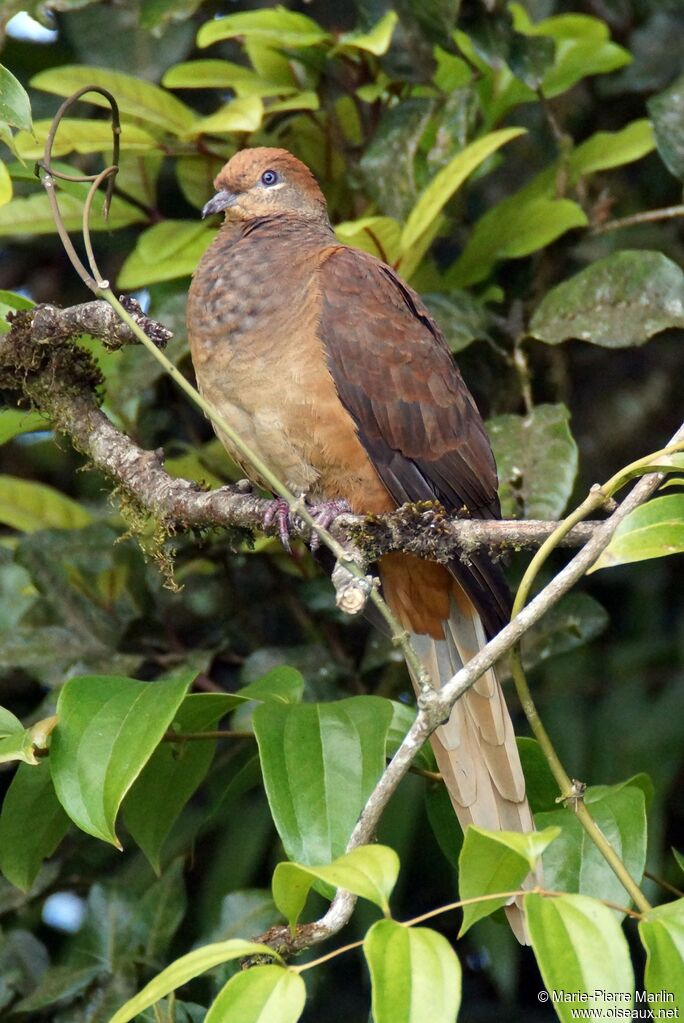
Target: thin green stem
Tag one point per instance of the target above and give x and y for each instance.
(491, 897)
(599, 496)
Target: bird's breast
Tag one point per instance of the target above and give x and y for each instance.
(253, 316)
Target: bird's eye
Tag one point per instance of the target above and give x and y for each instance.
(269, 177)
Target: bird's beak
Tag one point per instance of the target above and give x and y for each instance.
(221, 201)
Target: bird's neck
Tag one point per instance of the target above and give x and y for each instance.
(282, 225)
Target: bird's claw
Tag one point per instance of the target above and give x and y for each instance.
(324, 514)
(279, 512)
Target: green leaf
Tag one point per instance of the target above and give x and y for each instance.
(448, 180)
(415, 974)
(28, 506)
(461, 318)
(171, 776)
(276, 25)
(403, 717)
(161, 910)
(653, 530)
(377, 235)
(80, 135)
(574, 621)
(514, 228)
(583, 48)
(388, 163)
(496, 861)
(15, 107)
(607, 149)
(195, 175)
(222, 74)
(615, 302)
(108, 729)
(662, 935)
(369, 871)
(541, 788)
(165, 251)
(9, 724)
(15, 422)
(59, 984)
(667, 116)
(32, 215)
(184, 969)
(679, 857)
(30, 797)
(574, 864)
(581, 951)
(5, 185)
(264, 994)
(377, 40)
(136, 97)
(537, 459)
(240, 115)
(320, 763)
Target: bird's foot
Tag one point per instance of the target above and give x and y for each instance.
(279, 512)
(324, 514)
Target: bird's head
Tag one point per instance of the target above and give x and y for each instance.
(264, 182)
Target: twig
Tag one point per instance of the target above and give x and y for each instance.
(645, 217)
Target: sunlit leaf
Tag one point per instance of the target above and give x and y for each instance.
(581, 951)
(81, 135)
(264, 994)
(615, 302)
(31, 215)
(415, 974)
(222, 74)
(15, 107)
(27, 506)
(513, 229)
(448, 180)
(15, 422)
(662, 935)
(369, 871)
(496, 861)
(184, 969)
(377, 235)
(135, 96)
(320, 763)
(166, 251)
(276, 25)
(240, 115)
(5, 184)
(574, 864)
(377, 40)
(653, 530)
(108, 729)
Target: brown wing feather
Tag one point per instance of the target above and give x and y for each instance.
(395, 375)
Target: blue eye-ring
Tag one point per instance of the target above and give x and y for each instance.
(269, 177)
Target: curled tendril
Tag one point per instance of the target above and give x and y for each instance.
(47, 174)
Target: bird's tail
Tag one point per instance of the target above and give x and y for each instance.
(476, 749)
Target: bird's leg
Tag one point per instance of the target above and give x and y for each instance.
(324, 513)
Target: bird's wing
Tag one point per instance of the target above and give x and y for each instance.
(414, 414)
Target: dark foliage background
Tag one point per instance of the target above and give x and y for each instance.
(85, 600)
